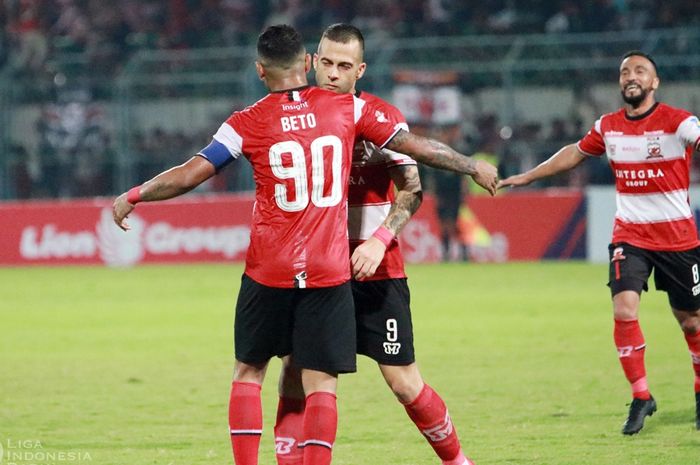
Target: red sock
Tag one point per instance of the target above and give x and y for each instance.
(630, 348)
(429, 413)
(288, 430)
(693, 341)
(245, 422)
(320, 426)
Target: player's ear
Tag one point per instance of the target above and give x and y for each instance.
(655, 83)
(315, 61)
(260, 70)
(307, 63)
(361, 70)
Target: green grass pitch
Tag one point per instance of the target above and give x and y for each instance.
(133, 367)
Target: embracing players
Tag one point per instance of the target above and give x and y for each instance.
(295, 297)
(380, 289)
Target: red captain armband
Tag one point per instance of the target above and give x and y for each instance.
(134, 195)
(384, 235)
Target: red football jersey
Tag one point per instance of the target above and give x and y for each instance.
(300, 144)
(372, 193)
(650, 156)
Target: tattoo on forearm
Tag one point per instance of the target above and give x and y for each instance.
(432, 153)
(401, 211)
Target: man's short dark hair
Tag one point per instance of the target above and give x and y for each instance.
(344, 33)
(280, 45)
(639, 53)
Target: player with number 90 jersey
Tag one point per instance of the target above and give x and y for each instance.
(300, 144)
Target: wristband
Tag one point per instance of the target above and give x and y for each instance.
(384, 235)
(134, 195)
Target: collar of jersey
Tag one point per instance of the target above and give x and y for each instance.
(289, 90)
(643, 115)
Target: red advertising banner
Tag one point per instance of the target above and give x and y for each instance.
(522, 226)
(528, 225)
(193, 229)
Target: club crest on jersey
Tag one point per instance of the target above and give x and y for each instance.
(617, 255)
(653, 148)
(381, 117)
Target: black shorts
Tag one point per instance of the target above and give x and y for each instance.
(674, 272)
(316, 326)
(383, 318)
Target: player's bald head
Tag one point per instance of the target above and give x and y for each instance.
(344, 33)
(280, 46)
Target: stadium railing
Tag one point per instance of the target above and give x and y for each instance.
(505, 62)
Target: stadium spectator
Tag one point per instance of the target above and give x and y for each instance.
(295, 300)
(380, 289)
(32, 46)
(649, 146)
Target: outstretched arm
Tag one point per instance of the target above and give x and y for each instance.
(168, 184)
(438, 155)
(565, 159)
(368, 255)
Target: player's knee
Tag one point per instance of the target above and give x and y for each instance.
(404, 388)
(249, 373)
(690, 325)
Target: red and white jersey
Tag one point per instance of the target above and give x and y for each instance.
(300, 145)
(372, 193)
(650, 156)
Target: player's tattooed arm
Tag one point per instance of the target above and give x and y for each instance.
(177, 180)
(408, 197)
(168, 184)
(438, 155)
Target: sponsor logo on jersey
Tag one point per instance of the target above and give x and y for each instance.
(653, 148)
(357, 181)
(295, 106)
(639, 178)
(612, 133)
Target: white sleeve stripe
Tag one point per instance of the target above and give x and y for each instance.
(230, 139)
(578, 146)
(597, 125)
(688, 131)
(396, 131)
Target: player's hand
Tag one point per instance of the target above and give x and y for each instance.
(120, 210)
(486, 175)
(514, 181)
(366, 258)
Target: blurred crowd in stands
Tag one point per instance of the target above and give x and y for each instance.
(75, 155)
(34, 30)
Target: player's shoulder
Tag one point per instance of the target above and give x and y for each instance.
(251, 111)
(383, 110)
(367, 97)
(618, 114)
(313, 92)
(668, 111)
